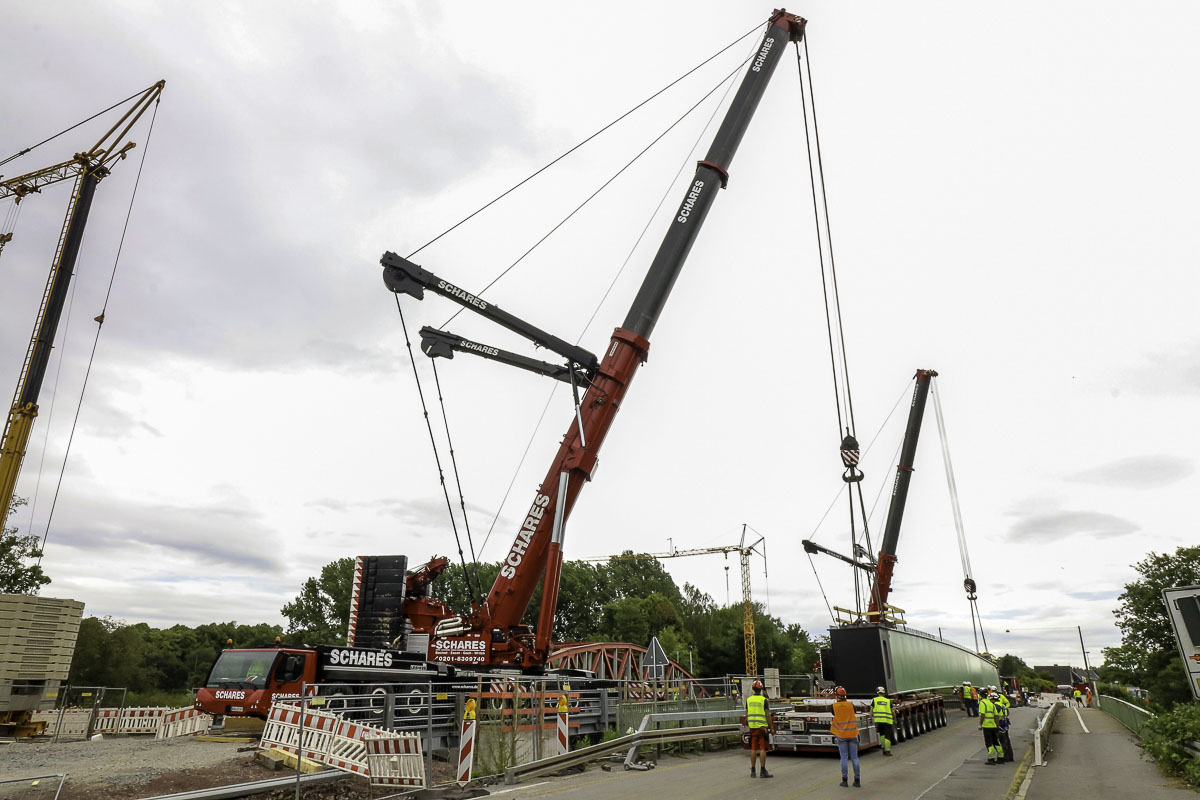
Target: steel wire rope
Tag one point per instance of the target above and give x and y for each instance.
(571, 150)
(602, 187)
(616, 277)
(99, 325)
(820, 586)
(461, 499)
(433, 442)
(959, 528)
(865, 451)
(73, 127)
(828, 230)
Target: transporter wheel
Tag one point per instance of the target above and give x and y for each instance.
(941, 713)
(898, 727)
(910, 721)
(927, 718)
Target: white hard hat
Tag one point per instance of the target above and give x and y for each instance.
(966, 683)
(880, 690)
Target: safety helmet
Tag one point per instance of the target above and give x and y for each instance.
(840, 691)
(994, 695)
(880, 690)
(992, 688)
(758, 685)
(966, 683)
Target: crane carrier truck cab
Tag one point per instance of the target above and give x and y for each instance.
(245, 682)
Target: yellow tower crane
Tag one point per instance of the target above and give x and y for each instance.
(87, 169)
(743, 550)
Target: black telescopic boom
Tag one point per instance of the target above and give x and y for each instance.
(711, 173)
(43, 342)
(904, 470)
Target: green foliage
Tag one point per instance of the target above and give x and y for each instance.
(1010, 665)
(320, 614)
(1147, 656)
(17, 574)
(1121, 693)
(1164, 736)
(149, 660)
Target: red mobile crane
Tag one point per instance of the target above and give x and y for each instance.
(492, 636)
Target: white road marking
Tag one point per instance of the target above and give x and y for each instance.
(1085, 728)
(518, 788)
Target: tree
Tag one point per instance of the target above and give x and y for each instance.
(1148, 655)
(320, 614)
(17, 574)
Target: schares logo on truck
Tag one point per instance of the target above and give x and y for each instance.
(224, 695)
(360, 658)
(532, 520)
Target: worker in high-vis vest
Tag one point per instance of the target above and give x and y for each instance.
(987, 723)
(970, 699)
(1078, 695)
(881, 709)
(759, 721)
(845, 732)
(469, 708)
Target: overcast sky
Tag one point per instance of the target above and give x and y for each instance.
(1012, 191)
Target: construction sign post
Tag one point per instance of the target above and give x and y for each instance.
(1183, 607)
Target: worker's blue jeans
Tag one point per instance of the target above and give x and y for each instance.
(848, 748)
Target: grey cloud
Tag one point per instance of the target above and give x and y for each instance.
(1138, 472)
(209, 536)
(245, 243)
(1175, 372)
(1093, 595)
(1056, 525)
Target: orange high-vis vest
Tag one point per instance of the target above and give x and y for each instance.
(844, 724)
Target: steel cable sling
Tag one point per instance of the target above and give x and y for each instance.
(840, 369)
(959, 528)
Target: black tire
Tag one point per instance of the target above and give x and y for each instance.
(898, 727)
(942, 715)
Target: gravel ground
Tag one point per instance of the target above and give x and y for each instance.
(117, 768)
(128, 768)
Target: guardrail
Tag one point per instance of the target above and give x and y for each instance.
(586, 754)
(1126, 713)
(1041, 734)
(652, 721)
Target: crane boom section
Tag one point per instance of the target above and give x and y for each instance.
(532, 550)
(882, 584)
(88, 169)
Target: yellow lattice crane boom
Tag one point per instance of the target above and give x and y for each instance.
(743, 550)
(88, 169)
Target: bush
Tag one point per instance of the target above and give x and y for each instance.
(1164, 738)
(1121, 693)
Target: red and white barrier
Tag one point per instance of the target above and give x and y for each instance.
(327, 739)
(395, 761)
(466, 752)
(564, 740)
(182, 722)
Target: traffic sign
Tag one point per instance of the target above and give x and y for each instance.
(655, 661)
(1183, 607)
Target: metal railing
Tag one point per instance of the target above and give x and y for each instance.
(1041, 734)
(703, 719)
(1125, 713)
(582, 756)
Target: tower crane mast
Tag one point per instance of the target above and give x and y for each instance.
(744, 551)
(88, 169)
